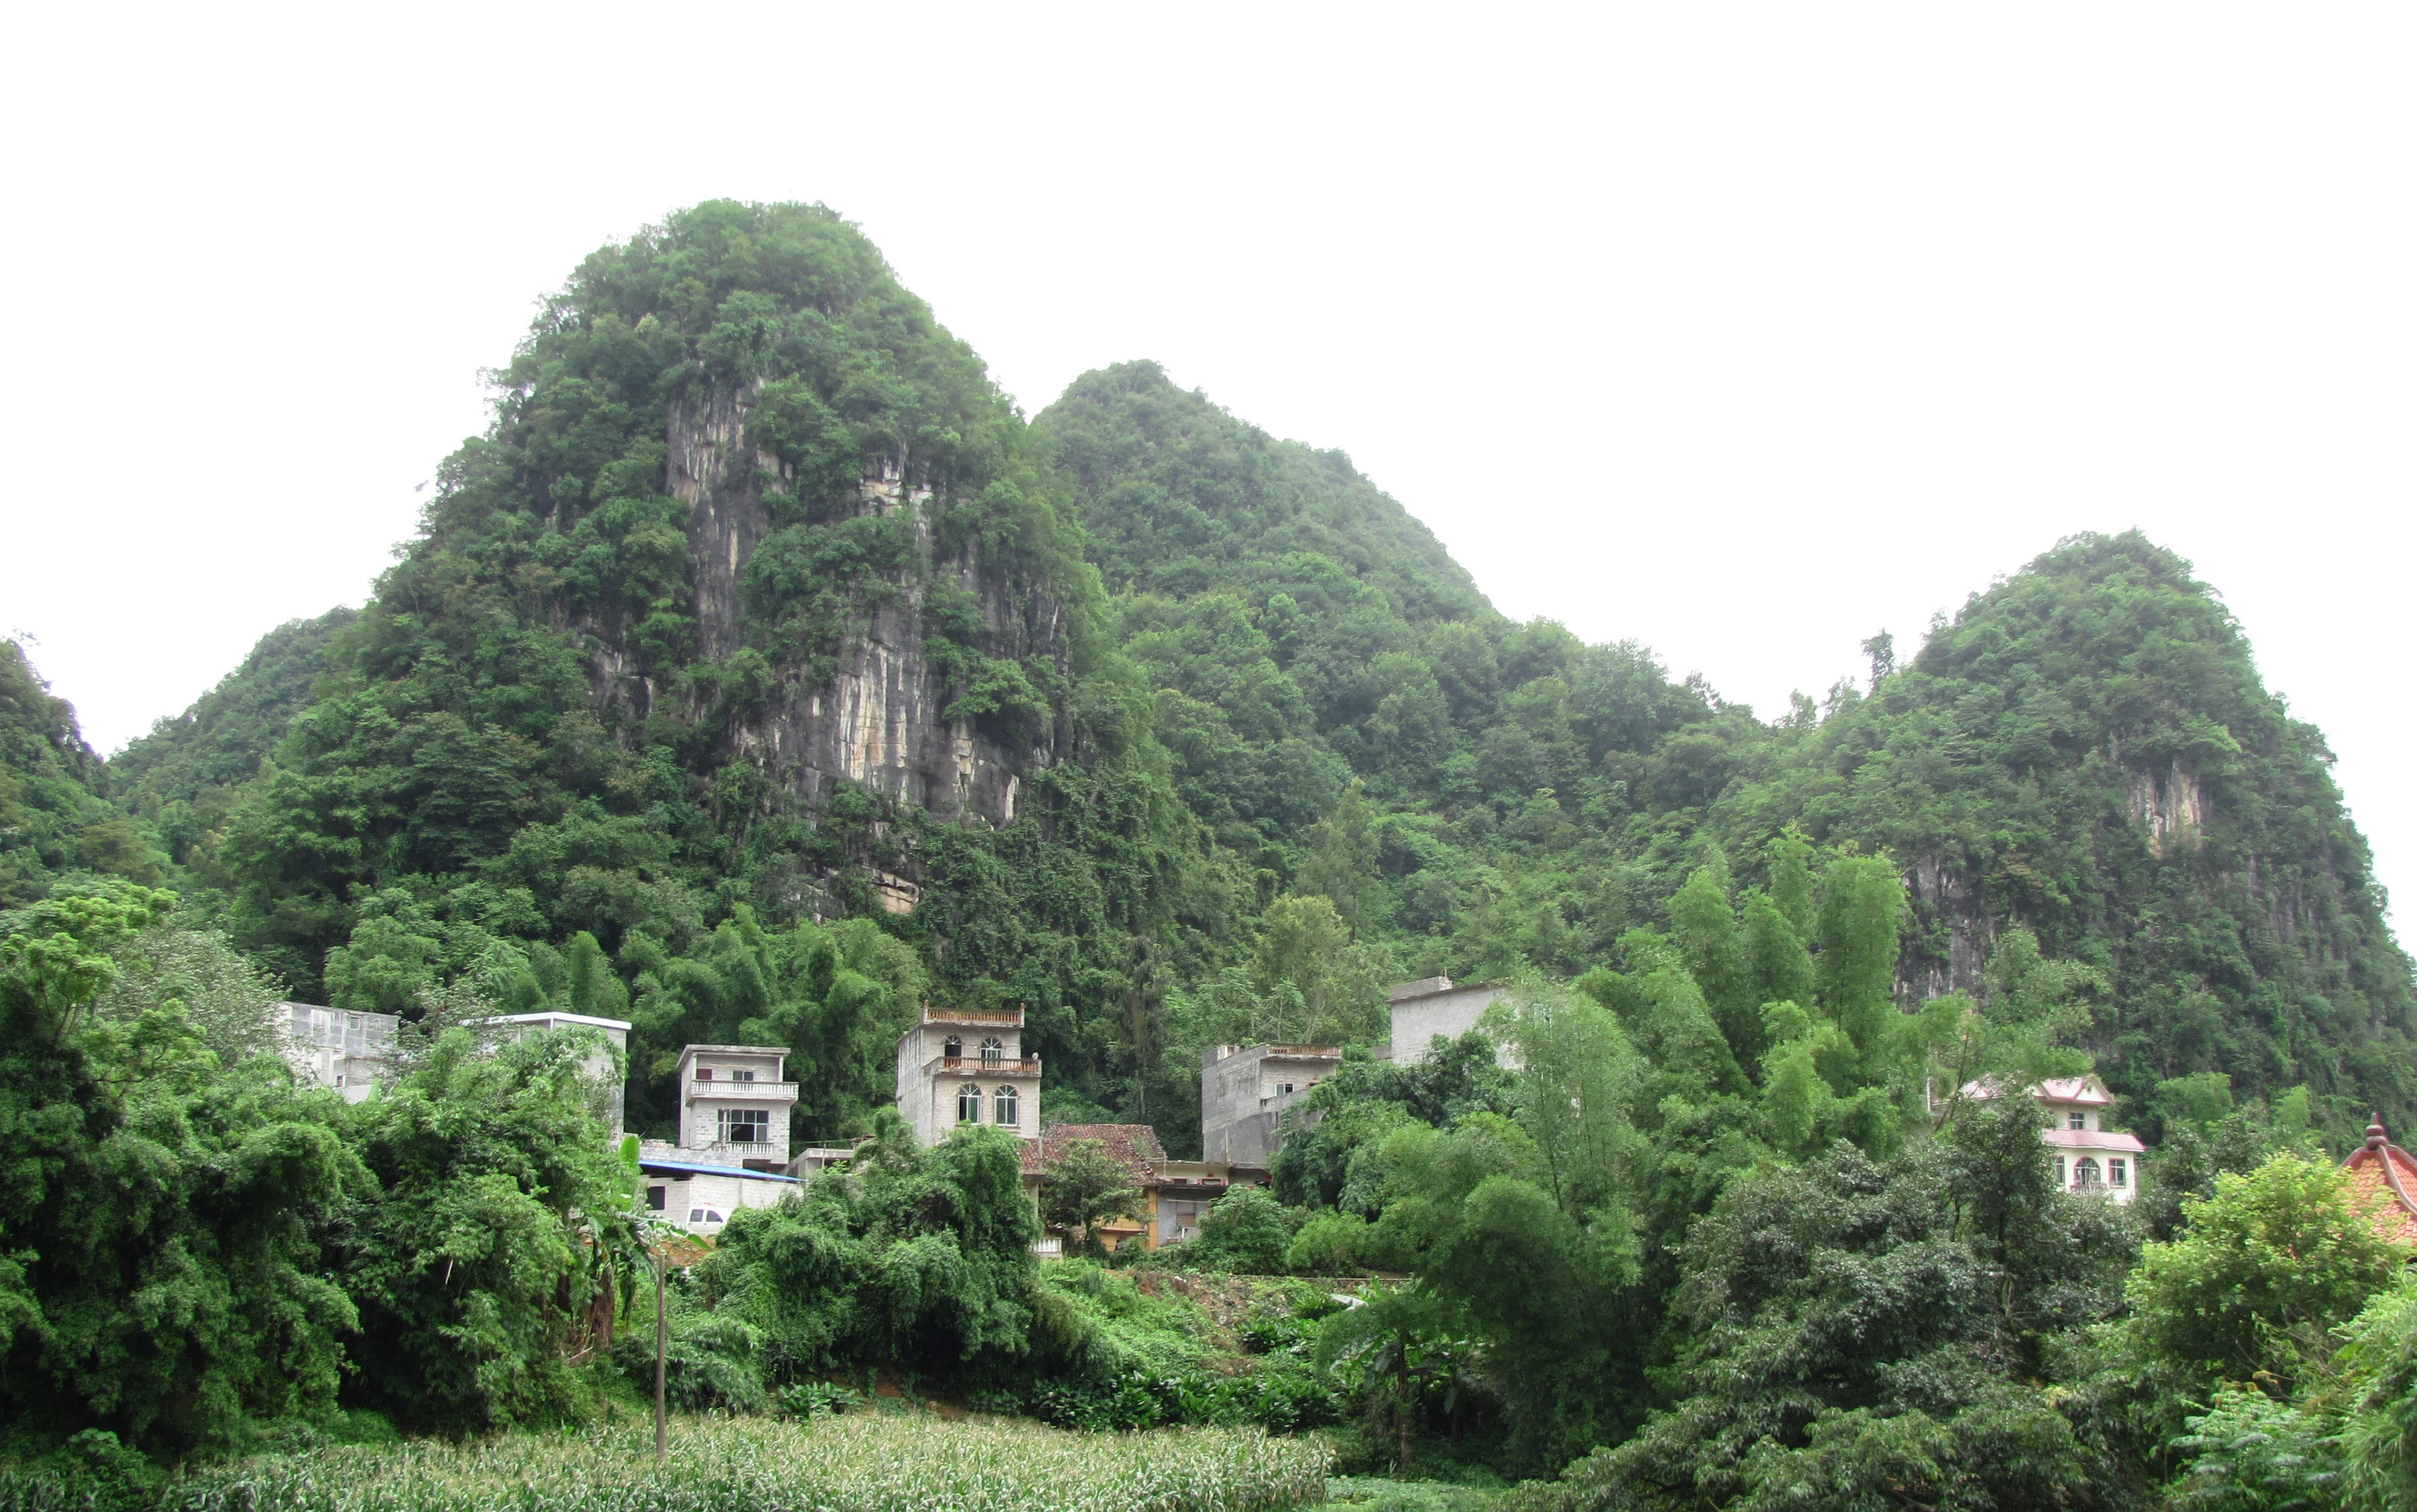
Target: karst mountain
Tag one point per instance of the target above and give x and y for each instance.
(762, 671)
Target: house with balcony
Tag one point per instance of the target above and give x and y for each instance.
(2083, 1154)
(959, 1066)
(732, 1144)
(734, 1104)
(1244, 1092)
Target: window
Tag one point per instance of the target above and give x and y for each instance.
(744, 1125)
(655, 1196)
(969, 1104)
(2115, 1172)
(1283, 1089)
(696, 1214)
(953, 1047)
(2076, 1120)
(2084, 1173)
(742, 1076)
(705, 1073)
(2060, 1180)
(1005, 1112)
(993, 1052)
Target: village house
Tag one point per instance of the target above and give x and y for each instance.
(734, 1106)
(600, 1065)
(353, 1053)
(701, 1198)
(960, 1066)
(1175, 1194)
(337, 1047)
(1244, 1093)
(732, 1149)
(1433, 1005)
(2083, 1154)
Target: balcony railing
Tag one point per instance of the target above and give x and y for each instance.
(740, 1091)
(730, 1152)
(972, 1065)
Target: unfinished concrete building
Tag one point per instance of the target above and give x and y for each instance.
(1244, 1092)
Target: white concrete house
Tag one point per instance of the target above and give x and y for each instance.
(2084, 1154)
(965, 1066)
(734, 1108)
(701, 1198)
(351, 1053)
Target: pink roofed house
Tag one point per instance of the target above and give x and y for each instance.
(2084, 1154)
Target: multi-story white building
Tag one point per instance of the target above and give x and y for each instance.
(351, 1053)
(734, 1108)
(2084, 1154)
(966, 1066)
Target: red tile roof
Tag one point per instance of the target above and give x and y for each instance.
(1133, 1146)
(2383, 1179)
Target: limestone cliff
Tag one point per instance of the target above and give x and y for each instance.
(880, 718)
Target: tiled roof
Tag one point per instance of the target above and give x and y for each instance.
(2084, 1089)
(2087, 1090)
(2094, 1139)
(1133, 1146)
(2383, 1179)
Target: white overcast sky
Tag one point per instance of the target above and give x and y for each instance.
(1741, 330)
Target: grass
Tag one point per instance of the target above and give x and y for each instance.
(855, 1463)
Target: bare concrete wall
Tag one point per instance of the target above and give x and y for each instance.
(1449, 1012)
(1241, 1100)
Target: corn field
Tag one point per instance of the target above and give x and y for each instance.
(832, 1464)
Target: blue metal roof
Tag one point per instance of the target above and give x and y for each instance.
(740, 1171)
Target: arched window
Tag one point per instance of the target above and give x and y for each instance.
(1005, 1114)
(2084, 1173)
(993, 1052)
(953, 1047)
(969, 1104)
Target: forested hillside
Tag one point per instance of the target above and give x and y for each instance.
(185, 775)
(54, 815)
(761, 671)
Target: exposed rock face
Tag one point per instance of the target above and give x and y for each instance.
(2171, 803)
(878, 720)
(1953, 933)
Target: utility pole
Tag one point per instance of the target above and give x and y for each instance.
(659, 1355)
